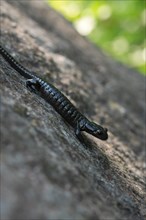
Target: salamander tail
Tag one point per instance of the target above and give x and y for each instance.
(13, 63)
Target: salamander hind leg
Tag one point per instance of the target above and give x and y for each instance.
(33, 85)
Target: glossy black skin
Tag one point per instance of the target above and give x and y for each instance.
(60, 102)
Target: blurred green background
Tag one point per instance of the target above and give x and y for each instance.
(117, 26)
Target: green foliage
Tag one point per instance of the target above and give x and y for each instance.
(116, 26)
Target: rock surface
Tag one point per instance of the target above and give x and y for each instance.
(46, 172)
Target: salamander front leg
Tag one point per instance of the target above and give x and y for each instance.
(77, 130)
(33, 85)
(79, 127)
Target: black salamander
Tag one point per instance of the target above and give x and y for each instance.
(59, 101)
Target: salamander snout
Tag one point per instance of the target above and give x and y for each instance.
(101, 133)
(106, 130)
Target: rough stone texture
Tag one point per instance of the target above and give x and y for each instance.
(46, 173)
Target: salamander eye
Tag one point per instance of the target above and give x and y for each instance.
(99, 132)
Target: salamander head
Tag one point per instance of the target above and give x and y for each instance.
(96, 130)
